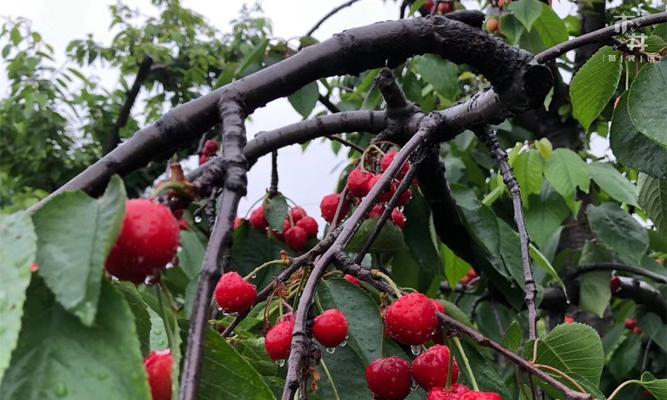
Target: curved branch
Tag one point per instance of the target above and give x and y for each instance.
(329, 15)
(610, 266)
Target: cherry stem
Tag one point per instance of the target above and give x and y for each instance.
(621, 386)
(379, 274)
(563, 374)
(466, 363)
(253, 273)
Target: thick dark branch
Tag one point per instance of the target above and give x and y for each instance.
(599, 36)
(124, 115)
(488, 136)
(216, 257)
(329, 15)
(592, 17)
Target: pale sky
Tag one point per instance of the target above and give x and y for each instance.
(304, 177)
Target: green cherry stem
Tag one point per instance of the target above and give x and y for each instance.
(621, 386)
(466, 363)
(254, 272)
(379, 274)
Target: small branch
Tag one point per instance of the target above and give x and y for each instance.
(488, 136)
(273, 188)
(601, 35)
(610, 266)
(326, 102)
(345, 263)
(329, 15)
(347, 143)
(124, 114)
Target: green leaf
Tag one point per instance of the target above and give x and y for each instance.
(551, 28)
(172, 330)
(595, 84)
(15, 36)
(526, 11)
(511, 28)
(633, 148)
(528, 171)
(544, 147)
(304, 99)
(254, 57)
(653, 200)
(612, 182)
(191, 255)
(17, 252)
(566, 171)
(545, 215)
(276, 209)
(575, 349)
(626, 356)
(618, 231)
(647, 114)
(362, 313)
(440, 73)
(389, 240)
(72, 264)
(345, 368)
(226, 375)
(58, 357)
(594, 292)
(657, 387)
(418, 238)
(455, 268)
(142, 319)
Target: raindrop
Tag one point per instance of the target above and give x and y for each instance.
(61, 390)
(331, 350)
(219, 308)
(414, 386)
(197, 219)
(416, 350)
(169, 266)
(253, 276)
(343, 344)
(280, 363)
(179, 249)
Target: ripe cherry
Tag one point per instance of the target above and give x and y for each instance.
(398, 218)
(278, 339)
(386, 194)
(309, 225)
(352, 279)
(376, 212)
(258, 219)
(147, 242)
(630, 324)
(636, 330)
(389, 157)
(296, 238)
(405, 198)
(297, 213)
(430, 368)
(615, 284)
(389, 378)
(445, 7)
(429, 4)
(411, 319)
(330, 328)
(438, 336)
(470, 275)
(203, 159)
(238, 221)
(234, 294)
(158, 366)
(210, 147)
(453, 393)
(480, 396)
(357, 183)
(329, 205)
(568, 319)
(492, 25)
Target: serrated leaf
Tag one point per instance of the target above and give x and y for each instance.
(528, 171)
(657, 387)
(566, 172)
(440, 73)
(59, 357)
(647, 114)
(511, 28)
(526, 11)
(72, 264)
(304, 99)
(594, 292)
(612, 182)
(618, 231)
(550, 27)
(653, 200)
(594, 85)
(275, 210)
(545, 215)
(455, 268)
(362, 313)
(17, 253)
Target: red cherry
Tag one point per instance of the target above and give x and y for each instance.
(445, 7)
(480, 396)
(352, 279)
(615, 284)
(398, 218)
(309, 225)
(388, 158)
(258, 219)
(430, 368)
(411, 319)
(210, 147)
(279, 339)
(238, 221)
(389, 378)
(438, 336)
(357, 183)
(158, 366)
(329, 205)
(34, 267)
(492, 25)
(386, 195)
(630, 324)
(376, 212)
(286, 225)
(147, 242)
(203, 159)
(297, 213)
(330, 328)
(470, 275)
(183, 225)
(568, 319)
(429, 4)
(296, 238)
(405, 198)
(234, 294)
(453, 393)
(637, 330)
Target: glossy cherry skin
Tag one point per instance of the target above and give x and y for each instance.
(309, 225)
(296, 238)
(430, 368)
(233, 294)
(330, 328)
(389, 378)
(411, 319)
(278, 340)
(159, 366)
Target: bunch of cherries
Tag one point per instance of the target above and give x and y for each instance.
(297, 228)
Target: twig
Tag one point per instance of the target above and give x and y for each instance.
(329, 15)
(488, 136)
(345, 263)
(273, 188)
(346, 142)
(610, 266)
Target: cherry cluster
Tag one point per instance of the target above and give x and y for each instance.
(297, 228)
(444, 7)
(209, 150)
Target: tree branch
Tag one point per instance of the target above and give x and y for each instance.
(329, 15)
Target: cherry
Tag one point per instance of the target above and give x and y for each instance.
(568, 319)
(329, 205)
(158, 366)
(438, 336)
(480, 396)
(296, 238)
(238, 221)
(352, 279)
(411, 319)
(388, 158)
(330, 328)
(357, 183)
(210, 147)
(147, 242)
(389, 378)
(430, 368)
(492, 25)
(258, 219)
(183, 225)
(405, 198)
(385, 195)
(203, 159)
(429, 4)
(470, 275)
(453, 393)
(279, 339)
(234, 294)
(309, 225)
(615, 284)
(297, 213)
(445, 7)
(637, 330)
(34, 267)
(398, 218)
(630, 324)
(376, 212)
